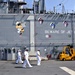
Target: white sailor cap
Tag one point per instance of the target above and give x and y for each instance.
(19, 50)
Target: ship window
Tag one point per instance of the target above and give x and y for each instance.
(13, 50)
(9, 50)
(5, 50)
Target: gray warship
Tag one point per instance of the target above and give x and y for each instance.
(33, 28)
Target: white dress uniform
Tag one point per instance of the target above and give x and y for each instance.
(26, 61)
(19, 59)
(38, 58)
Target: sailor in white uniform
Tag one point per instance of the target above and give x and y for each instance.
(19, 58)
(38, 57)
(26, 61)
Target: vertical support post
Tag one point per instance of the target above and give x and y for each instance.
(32, 35)
(72, 28)
(7, 7)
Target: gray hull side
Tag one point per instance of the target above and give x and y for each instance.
(8, 31)
(60, 35)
